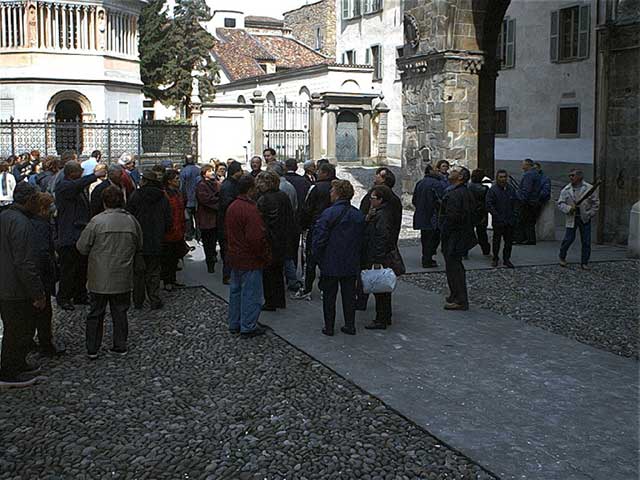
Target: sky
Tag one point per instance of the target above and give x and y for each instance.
(269, 8)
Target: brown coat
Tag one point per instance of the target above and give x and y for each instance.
(208, 198)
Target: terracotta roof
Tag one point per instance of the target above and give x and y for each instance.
(263, 20)
(239, 53)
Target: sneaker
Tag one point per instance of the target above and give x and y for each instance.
(563, 263)
(301, 295)
(256, 332)
(119, 351)
(92, 356)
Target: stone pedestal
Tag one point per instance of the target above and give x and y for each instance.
(546, 226)
(315, 126)
(257, 136)
(382, 111)
(633, 246)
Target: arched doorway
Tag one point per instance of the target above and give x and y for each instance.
(68, 126)
(347, 137)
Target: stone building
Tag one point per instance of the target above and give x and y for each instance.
(67, 60)
(315, 25)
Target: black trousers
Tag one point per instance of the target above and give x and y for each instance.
(528, 219)
(146, 281)
(430, 239)
(42, 323)
(226, 268)
(18, 318)
(73, 275)
(191, 230)
(383, 308)
(209, 239)
(170, 260)
(310, 264)
(273, 286)
(118, 305)
(502, 232)
(457, 279)
(483, 239)
(329, 287)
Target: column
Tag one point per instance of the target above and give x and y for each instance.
(332, 124)
(315, 126)
(78, 32)
(257, 140)
(55, 17)
(365, 151)
(12, 21)
(22, 23)
(383, 128)
(3, 26)
(64, 36)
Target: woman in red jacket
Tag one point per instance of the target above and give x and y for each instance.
(174, 246)
(207, 195)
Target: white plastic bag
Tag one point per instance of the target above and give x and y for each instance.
(378, 280)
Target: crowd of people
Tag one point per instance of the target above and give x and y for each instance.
(97, 235)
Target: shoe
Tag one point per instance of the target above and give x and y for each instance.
(226, 280)
(376, 326)
(234, 331)
(256, 332)
(584, 266)
(55, 348)
(455, 306)
(268, 308)
(18, 382)
(119, 351)
(301, 295)
(31, 371)
(67, 306)
(92, 356)
(449, 299)
(429, 264)
(563, 263)
(508, 264)
(156, 306)
(178, 285)
(168, 287)
(494, 263)
(348, 331)
(327, 332)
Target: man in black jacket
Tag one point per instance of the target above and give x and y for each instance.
(501, 204)
(114, 177)
(72, 204)
(479, 191)
(458, 236)
(318, 199)
(151, 208)
(228, 193)
(21, 289)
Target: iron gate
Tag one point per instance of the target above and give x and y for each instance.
(286, 129)
(151, 141)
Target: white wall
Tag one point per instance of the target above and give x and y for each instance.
(224, 132)
(383, 28)
(533, 90)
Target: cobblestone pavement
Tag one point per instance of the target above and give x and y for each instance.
(597, 307)
(192, 401)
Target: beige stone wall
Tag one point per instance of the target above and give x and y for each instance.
(305, 20)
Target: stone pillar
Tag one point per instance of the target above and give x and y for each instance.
(365, 147)
(315, 127)
(257, 139)
(195, 107)
(332, 124)
(32, 25)
(383, 128)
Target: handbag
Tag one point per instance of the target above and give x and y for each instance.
(378, 280)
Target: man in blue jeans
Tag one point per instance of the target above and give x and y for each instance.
(579, 208)
(247, 254)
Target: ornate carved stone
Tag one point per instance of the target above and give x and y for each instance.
(102, 29)
(411, 31)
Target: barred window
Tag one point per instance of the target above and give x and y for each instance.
(569, 121)
(502, 122)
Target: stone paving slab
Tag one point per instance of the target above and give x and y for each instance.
(524, 403)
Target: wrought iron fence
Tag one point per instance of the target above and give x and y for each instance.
(151, 141)
(286, 129)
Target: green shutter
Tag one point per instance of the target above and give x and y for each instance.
(510, 54)
(379, 63)
(584, 29)
(555, 35)
(499, 52)
(367, 56)
(345, 9)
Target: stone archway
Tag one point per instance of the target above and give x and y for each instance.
(72, 96)
(69, 109)
(448, 82)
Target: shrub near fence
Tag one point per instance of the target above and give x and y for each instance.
(150, 141)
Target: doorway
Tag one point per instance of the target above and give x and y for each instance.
(347, 137)
(68, 126)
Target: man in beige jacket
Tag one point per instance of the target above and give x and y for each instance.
(111, 240)
(579, 208)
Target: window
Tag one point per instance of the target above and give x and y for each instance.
(319, 39)
(148, 115)
(506, 54)
(147, 103)
(502, 122)
(123, 111)
(570, 33)
(374, 58)
(230, 23)
(569, 121)
(357, 8)
(263, 66)
(351, 8)
(349, 57)
(7, 108)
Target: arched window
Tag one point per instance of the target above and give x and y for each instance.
(271, 98)
(241, 99)
(304, 94)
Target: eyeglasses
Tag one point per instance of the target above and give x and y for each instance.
(571, 175)
(374, 198)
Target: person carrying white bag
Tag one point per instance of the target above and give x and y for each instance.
(382, 262)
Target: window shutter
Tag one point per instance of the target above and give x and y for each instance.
(584, 31)
(379, 63)
(510, 53)
(345, 8)
(499, 52)
(357, 7)
(354, 56)
(555, 35)
(344, 58)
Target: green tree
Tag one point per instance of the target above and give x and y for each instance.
(190, 50)
(155, 49)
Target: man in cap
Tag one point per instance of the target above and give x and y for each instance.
(228, 193)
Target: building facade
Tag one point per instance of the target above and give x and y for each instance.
(64, 60)
(315, 25)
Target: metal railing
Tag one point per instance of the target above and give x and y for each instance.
(286, 129)
(150, 141)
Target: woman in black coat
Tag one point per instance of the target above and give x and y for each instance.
(379, 248)
(277, 213)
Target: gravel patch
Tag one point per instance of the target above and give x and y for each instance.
(191, 400)
(597, 307)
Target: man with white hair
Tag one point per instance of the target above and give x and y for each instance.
(127, 162)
